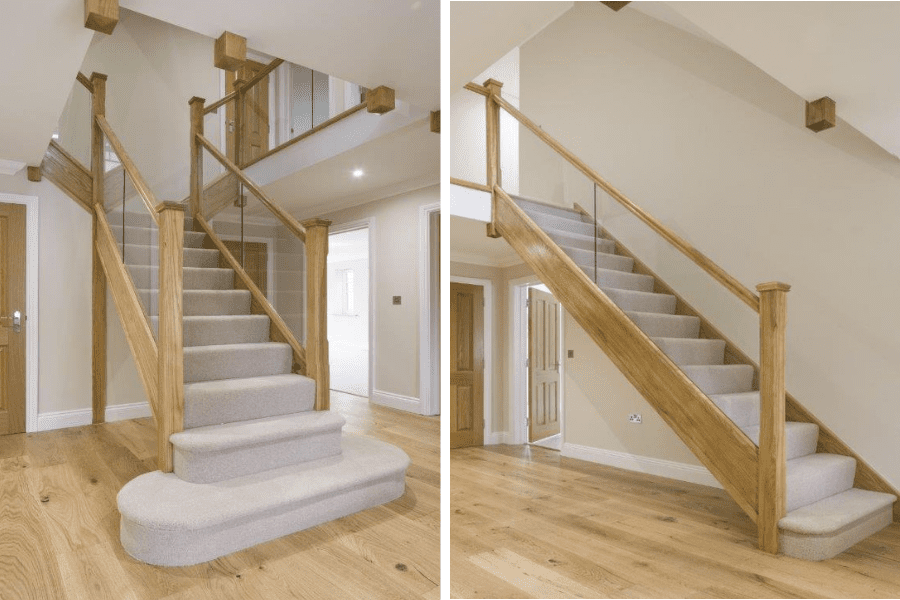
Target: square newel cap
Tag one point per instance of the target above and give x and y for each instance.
(772, 286)
(820, 114)
(101, 15)
(310, 223)
(493, 85)
(380, 100)
(230, 52)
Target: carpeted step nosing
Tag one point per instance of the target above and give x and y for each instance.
(170, 522)
(219, 401)
(835, 512)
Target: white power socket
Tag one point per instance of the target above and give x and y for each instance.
(634, 418)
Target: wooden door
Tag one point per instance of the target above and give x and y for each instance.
(12, 298)
(543, 365)
(256, 261)
(255, 122)
(466, 365)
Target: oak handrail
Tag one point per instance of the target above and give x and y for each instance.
(134, 320)
(220, 102)
(719, 444)
(279, 330)
(83, 80)
(701, 260)
(306, 134)
(287, 220)
(136, 178)
(470, 184)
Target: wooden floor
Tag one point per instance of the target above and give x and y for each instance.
(527, 523)
(59, 527)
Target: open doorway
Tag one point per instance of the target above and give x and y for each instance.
(348, 311)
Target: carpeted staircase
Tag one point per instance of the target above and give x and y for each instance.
(825, 513)
(255, 461)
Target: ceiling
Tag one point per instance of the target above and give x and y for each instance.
(849, 51)
(404, 160)
(43, 48)
(396, 43)
(470, 244)
(490, 30)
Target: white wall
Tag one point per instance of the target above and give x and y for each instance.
(718, 151)
(395, 237)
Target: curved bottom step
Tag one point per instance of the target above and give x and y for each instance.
(169, 522)
(826, 528)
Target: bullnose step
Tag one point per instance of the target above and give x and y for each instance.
(241, 399)
(219, 452)
(159, 527)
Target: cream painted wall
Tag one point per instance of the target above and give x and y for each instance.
(64, 295)
(396, 273)
(718, 151)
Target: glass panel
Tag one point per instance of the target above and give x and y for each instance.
(468, 137)
(73, 132)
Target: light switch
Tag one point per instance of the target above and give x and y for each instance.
(396, 299)
(571, 354)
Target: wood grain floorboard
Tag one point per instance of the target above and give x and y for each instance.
(528, 523)
(59, 527)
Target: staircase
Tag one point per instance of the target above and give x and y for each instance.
(825, 513)
(255, 461)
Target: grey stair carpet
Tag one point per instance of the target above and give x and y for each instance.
(825, 513)
(255, 460)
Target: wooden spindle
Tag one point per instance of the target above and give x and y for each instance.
(772, 462)
(98, 276)
(492, 121)
(197, 111)
(317, 367)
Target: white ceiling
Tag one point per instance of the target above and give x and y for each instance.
(43, 49)
(470, 244)
(389, 42)
(404, 160)
(849, 51)
(484, 32)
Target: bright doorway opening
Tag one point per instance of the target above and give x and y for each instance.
(348, 311)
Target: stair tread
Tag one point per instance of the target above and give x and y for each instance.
(244, 347)
(245, 382)
(163, 501)
(835, 512)
(228, 436)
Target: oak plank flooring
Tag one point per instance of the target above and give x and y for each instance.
(528, 523)
(67, 546)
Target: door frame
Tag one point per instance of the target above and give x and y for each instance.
(366, 223)
(429, 323)
(490, 437)
(518, 344)
(32, 247)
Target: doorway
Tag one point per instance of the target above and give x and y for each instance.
(543, 369)
(12, 318)
(467, 354)
(255, 117)
(349, 311)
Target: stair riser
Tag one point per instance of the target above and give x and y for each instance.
(147, 278)
(225, 363)
(149, 255)
(141, 219)
(827, 480)
(718, 380)
(552, 223)
(558, 211)
(144, 236)
(585, 258)
(198, 303)
(183, 547)
(652, 303)
(799, 441)
(620, 281)
(667, 326)
(582, 242)
(211, 467)
(743, 411)
(226, 331)
(205, 405)
(693, 352)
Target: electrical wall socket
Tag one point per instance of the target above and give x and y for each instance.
(634, 418)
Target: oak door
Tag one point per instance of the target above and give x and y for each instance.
(543, 365)
(255, 121)
(466, 365)
(256, 261)
(12, 299)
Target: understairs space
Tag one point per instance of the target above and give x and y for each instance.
(826, 514)
(255, 460)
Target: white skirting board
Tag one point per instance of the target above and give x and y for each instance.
(497, 437)
(407, 403)
(84, 416)
(641, 464)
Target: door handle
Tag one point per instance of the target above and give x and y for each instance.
(16, 319)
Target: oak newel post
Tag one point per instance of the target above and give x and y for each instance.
(170, 340)
(492, 120)
(772, 463)
(98, 277)
(196, 105)
(316, 306)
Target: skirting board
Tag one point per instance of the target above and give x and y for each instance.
(84, 416)
(641, 464)
(407, 403)
(497, 437)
